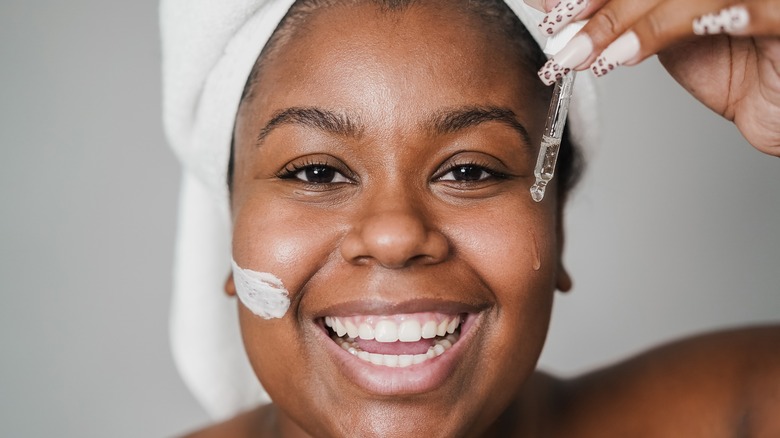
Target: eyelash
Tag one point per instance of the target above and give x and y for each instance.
(292, 170)
(482, 166)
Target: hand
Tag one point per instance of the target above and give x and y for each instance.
(726, 53)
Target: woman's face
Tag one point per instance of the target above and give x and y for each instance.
(382, 171)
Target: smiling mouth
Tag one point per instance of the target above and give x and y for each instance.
(395, 341)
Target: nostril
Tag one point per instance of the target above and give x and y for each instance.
(394, 240)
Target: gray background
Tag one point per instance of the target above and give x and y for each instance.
(673, 231)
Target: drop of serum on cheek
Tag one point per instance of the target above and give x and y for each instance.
(537, 261)
(262, 293)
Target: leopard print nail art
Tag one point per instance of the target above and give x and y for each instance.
(551, 72)
(728, 20)
(562, 14)
(602, 66)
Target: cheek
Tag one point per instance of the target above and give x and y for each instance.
(513, 249)
(273, 348)
(269, 236)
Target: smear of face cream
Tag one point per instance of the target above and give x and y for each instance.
(262, 293)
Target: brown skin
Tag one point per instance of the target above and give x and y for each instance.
(399, 229)
(723, 384)
(736, 76)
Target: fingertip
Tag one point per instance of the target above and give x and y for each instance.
(763, 19)
(537, 4)
(623, 51)
(561, 15)
(733, 20)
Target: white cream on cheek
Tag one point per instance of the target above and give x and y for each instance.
(262, 293)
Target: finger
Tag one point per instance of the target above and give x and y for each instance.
(764, 18)
(537, 4)
(662, 26)
(611, 21)
(607, 23)
(755, 18)
(729, 20)
(564, 12)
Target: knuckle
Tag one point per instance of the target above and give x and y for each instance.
(654, 26)
(606, 26)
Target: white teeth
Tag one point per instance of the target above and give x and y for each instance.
(419, 358)
(404, 328)
(339, 327)
(390, 360)
(441, 330)
(452, 326)
(429, 330)
(386, 331)
(352, 330)
(409, 331)
(365, 332)
(397, 361)
(405, 360)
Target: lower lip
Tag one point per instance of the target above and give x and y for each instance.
(416, 379)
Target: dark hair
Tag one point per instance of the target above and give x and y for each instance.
(494, 12)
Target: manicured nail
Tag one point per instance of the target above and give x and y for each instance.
(536, 4)
(730, 20)
(570, 57)
(621, 50)
(561, 15)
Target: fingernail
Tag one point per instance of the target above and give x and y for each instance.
(561, 15)
(536, 4)
(619, 52)
(730, 20)
(571, 56)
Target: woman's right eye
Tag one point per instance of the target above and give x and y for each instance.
(316, 174)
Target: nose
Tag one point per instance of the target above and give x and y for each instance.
(394, 238)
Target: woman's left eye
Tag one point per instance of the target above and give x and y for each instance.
(467, 173)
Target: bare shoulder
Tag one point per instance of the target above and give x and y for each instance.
(255, 423)
(720, 384)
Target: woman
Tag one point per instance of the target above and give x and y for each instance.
(379, 181)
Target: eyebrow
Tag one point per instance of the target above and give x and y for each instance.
(313, 117)
(450, 121)
(443, 122)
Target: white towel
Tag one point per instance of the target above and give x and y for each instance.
(209, 48)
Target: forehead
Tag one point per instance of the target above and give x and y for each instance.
(391, 66)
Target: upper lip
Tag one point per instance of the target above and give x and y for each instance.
(419, 305)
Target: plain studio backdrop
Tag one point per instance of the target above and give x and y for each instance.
(673, 231)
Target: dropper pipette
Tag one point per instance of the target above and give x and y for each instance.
(556, 115)
(553, 133)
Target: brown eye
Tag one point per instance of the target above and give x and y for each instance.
(466, 173)
(319, 174)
